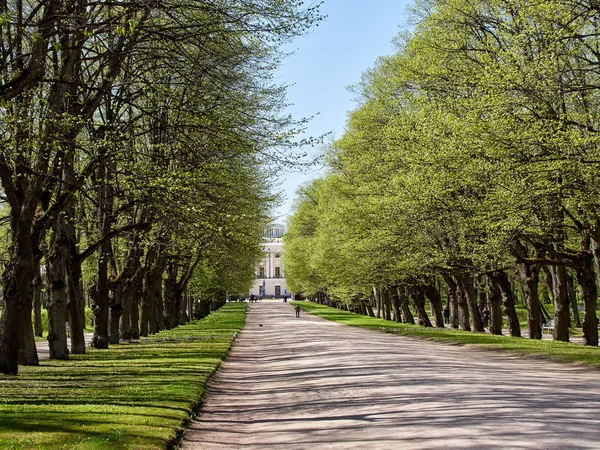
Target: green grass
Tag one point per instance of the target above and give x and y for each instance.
(556, 351)
(131, 396)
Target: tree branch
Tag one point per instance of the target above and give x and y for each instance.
(93, 247)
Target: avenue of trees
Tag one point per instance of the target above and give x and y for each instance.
(469, 167)
(135, 137)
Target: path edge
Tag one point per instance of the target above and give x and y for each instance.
(176, 441)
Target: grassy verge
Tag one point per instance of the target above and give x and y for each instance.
(557, 351)
(131, 396)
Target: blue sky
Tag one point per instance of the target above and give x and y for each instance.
(328, 60)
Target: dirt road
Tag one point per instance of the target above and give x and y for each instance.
(311, 384)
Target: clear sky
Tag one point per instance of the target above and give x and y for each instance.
(328, 60)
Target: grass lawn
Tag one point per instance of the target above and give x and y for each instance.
(557, 351)
(131, 396)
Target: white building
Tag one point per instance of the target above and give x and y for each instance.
(270, 274)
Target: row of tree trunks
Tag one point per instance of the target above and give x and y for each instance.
(465, 284)
(464, 322)
(400, 301)
(384, 303)
(152, 301)
(418, 296)
(500, 278)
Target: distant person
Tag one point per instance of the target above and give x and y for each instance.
(285, 298)
(251, 298)
(297, 311)
(485, 317)
(447, 314)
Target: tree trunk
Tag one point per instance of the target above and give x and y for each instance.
(76, 307)
(116, 311)
(153, 296)
(17, 281)
(453, 296)
(38, 327)
(393, 292)
(149, 307)
(145, 312)
(125, 298)
(203, 309)
(28, 352)
(369, 308)
(183, 316)
(548, 280)
(529, 273)
(561, 303)
(97, 342)
(407, 316)
(435, 299)
(191, 303)
(586, 277)
(463, 305)
(75, 304)
(573, 299)
(595, 244)
(171, 312)
(501, 279)
(57, 304)
(466, 283)
(387, 301)
(482, 293)
(137, 292)
(377, 298)
(130, 287)
(100, 292)
(495, 300)
(15, 307)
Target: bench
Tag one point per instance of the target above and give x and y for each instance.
(548, 326)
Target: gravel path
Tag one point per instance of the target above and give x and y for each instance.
(312, 384)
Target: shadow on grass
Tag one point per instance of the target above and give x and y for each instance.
(138, 393)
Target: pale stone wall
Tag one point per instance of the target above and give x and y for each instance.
(270, 271)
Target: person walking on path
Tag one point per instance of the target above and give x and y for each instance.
(447, 314)
(297, 311)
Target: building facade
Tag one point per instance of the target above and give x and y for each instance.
(270, 272)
